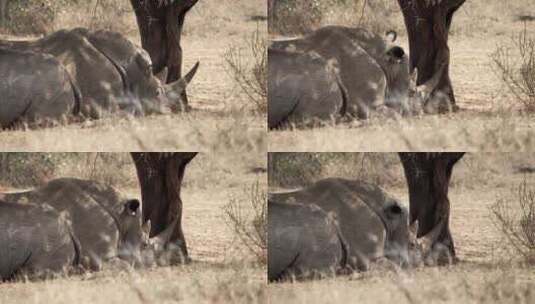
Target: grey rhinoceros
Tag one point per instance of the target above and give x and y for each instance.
(304, 242)
(111, 73)
(373, 224)
(372, 68)
(107, 225)
(36, 240)
(303, 88)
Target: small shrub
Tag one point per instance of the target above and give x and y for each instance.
(251, 77)
(516, 220)
(27, 169)
(295, 17)
(31, 16)
(301, 169)
(516, 67)
(249, 221)
(21, 170)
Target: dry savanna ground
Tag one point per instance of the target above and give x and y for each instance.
(490, 118)
(488, 271)
(222, 271)
(223, 116)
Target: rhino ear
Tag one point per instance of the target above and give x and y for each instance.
(180, 85)
(414, 78)
(430, 238)
(413, 228)
(145, 66)
(391, 36)
(393, 211)
(132, 206)
(146, 227)
(163, 237)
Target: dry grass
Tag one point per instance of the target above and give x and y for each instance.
(489, 270)
(490, 119)
(196, 283)
(465, 131)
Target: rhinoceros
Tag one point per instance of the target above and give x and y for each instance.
(303, 88)
(374, 224)
(111, 73)
(35, 87)
(36, 241)
(304, 242)
(107, 225)
(374, 70)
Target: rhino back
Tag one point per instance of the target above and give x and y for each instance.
(91, 206)
(35, 240)
(36, 87)
(302, 87)
(360, 73)
(99, 81)
(360, 225)
(303, 241)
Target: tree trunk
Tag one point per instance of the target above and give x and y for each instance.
(428, 176)
(160, 177)
(428, 23)
(160, 25)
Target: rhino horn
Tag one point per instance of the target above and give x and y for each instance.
(146, 227)
(413, 229)
(427, 241)
(424, 90)
(162, 239)
(180, 85)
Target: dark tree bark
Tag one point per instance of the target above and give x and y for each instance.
(428, 176)
(160, 176)
(428, 23)
(160, 25)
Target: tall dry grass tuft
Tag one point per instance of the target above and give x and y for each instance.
(250, 222)
(31, 17)
(516, 220)
(290, 170)
(250, 76)
(301, 16)
(515, 65)
(21, 170)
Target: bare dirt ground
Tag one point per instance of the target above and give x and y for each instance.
(222, 271)
(489, 119)
(222, 114)
(488, 271)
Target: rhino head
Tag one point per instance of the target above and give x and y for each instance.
(154, 96)
(131, 235)
(424, 250)
(395, 63)
(136, 247)
(160, 249)
(397, 238)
